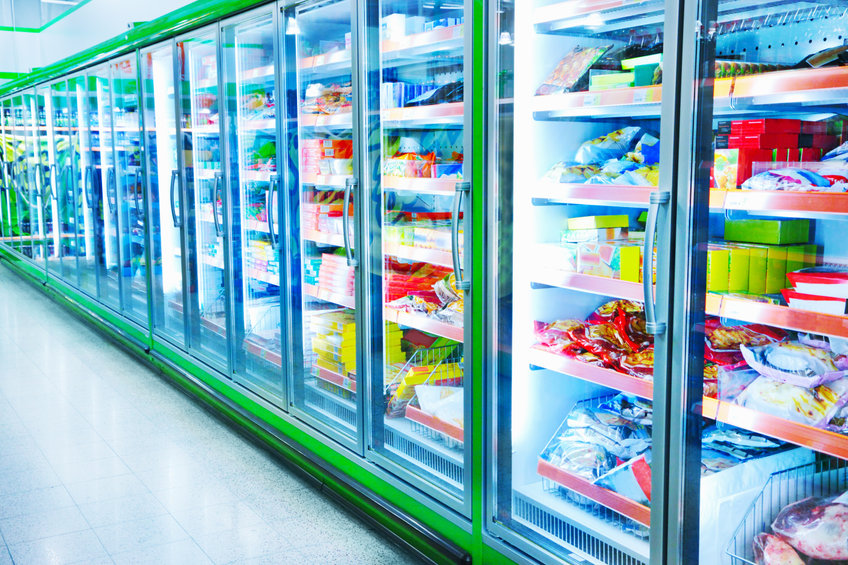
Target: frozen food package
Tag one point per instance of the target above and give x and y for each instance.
(604, 340)
(647, 150)
(816, 527)
(582, 458)
(713, 461)
(790, 179)
(453, 313)
(739, 438)
(631, 479)
(618, 166)
(721, 337)
(811, 406)
(602, 178)
(571, 173)
(772, 550)
(796, 364)
(619, 436)
(442, 402)
(572, 71)
(558, 333)
(838, 153)
(630, 407)
(838, 345)
(609, 310)
(613, 145)
(643, 176)
(639, 363)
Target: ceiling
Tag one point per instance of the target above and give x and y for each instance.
(33, 14)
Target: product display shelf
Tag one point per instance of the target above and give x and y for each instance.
(415, 47)
(204, 173)
(433, 256)
(333, 406)
(601, 495)
(638, 101)
(202, 129)
(216, 262)
(614, 288)
(256, 176)
(330, 181)
(342, 300)
(818, 203)
(547, 192)
(424, 323)
(429, 455)
(336, 379)
(776, 315)
(258, 72)
(257, 350)
(591, 373)
(432, 116)
(252, 225)
(560, 520)
(215, 325)
(263, 276)
(334, 239)
(339, 120)
(440, 187)
(435, 425)
(818, 439)
(619, 18)
(259, 124)
(327, 64)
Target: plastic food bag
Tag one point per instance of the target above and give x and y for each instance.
(794, 363)
(639, 364)
(791, 179)
(817, 527)
(771, 550)
(630, 408)
(643, 176)
(811, 406)
(840, 153)
(558, 333)
(618, 166)
(647, 151)
(610, 310)
(611, 146)
(571, 73)
(442, 402)
(632, 479)
(569, 172)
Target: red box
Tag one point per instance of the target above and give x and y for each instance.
(814, 127)
(826, 142)
(336, 148)
(810, 154)
(790, 155)
(765, 125)
(734, 166)
(310, 151)
(762, 141)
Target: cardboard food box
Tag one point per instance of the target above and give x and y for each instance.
(598, 222)
(765, 125)
(603, 234)
(737, 276)
(773, 232)
(757, 269)
(611, 259)
(718, 268)
(762, 141)
(734, 166)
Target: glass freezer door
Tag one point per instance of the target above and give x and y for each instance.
(102, 183)
(582, 101)
(6, 159)
(17, 169)
(763, 267)
(251, 127)
(33, 223)
(126, 127)
(203, 176)
(63, 185)
(419, 112)
(164, 192)
(85, 203)
(319, 190)
(51, 249)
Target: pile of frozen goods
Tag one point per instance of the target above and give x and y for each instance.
(627, 156)
(328, 156)
(425, 289)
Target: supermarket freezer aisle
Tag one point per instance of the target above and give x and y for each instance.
(105, 462)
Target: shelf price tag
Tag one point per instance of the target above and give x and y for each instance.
(735, 200)
(640, 96)
(593, 99)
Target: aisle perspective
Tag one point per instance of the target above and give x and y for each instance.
(525, 281)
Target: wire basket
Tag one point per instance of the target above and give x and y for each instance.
(822, 478)
(441, 366)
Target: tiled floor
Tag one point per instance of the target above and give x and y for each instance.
(101, 461)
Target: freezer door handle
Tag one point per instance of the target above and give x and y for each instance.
(216, 190)
(462, 189)
(45, 186)
(89, 186)
(269, 210)
(350, 185)
(112, 191)
(178, 221)
(137, 187)
(652, 325)
(50, 187)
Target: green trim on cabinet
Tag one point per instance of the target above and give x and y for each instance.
(14, 29)
(106, 321)
(64, 15)
(11, 74)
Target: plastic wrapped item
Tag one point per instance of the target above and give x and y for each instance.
(608, 311)
(631, 408)
(618, 166)
(558, 333)
(614, 145)
(811, 406)
(639, 363)
(790, 179)
(571, 73)
(643, 176)
(571, 173)
(647, 150)
(603, 340)
(771, 550)
(442, 402)
(839, 153)
(632, 479)
(730, 338)
(795, 364)
(816, 527)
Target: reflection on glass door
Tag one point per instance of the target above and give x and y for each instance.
(32, 226)
(129, 194)
(47, 245)
(205, 189)
(164, 190)
(317, 54)
(62, 185)
(17, 171)
(419, 402)
(249, 76)
(85, 201)
(103, 183)
(6, 162)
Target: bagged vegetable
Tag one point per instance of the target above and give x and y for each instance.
(817, 527)
(791, 179)
(795, 364)
(614, 145)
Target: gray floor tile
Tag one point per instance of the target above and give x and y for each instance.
(106, 488)
(194, 496)
(138, 534)
(217, 518)
(5, 558)
(34, 501)
(241, 544)
(15, 482)
(42, 525)
(80, 471)
(118, 510)
(181, 552)
(59, 550)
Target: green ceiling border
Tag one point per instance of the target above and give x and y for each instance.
(61, 16)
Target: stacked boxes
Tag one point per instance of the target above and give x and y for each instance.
(335, 275)
(260, 255)
(311, 269)
(334, 342)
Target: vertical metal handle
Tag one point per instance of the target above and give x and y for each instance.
(138, 187)
(111, 183)
(350, 184)
(178, 221)
(49, 186)
(269, 209)
(462, 188)
(215, 189)
(89, 186)
(652, 325)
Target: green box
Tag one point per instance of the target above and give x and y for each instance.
(811, 255)
(740, 258)
(776, 270)
(796, 258)
(644, 74)
(598, 222)
(629, 64)
(718, 265)
(757, 268)
(772, 232)
(612, 80)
